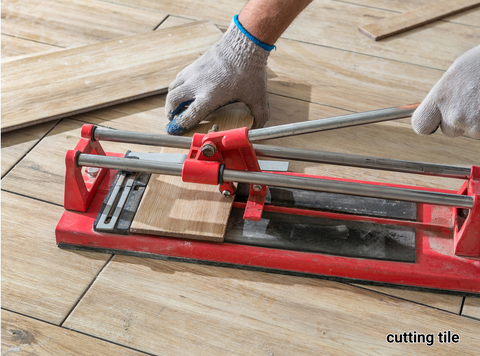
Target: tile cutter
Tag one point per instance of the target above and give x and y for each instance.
(341, 229)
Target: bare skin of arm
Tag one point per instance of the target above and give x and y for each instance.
(266, 20)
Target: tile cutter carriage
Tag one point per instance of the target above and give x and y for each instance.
(340, 229)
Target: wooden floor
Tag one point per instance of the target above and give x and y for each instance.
(64, 302)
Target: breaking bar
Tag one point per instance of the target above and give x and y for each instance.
(360, 118)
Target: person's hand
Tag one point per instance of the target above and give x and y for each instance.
(454, 102)
(233, 70)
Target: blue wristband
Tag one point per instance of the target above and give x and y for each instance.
(265, 46)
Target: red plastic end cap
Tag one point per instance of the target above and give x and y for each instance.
(87, 131)
(475, 173)
(202, 172)
(236, 138)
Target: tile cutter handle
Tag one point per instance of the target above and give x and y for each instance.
(331, 123)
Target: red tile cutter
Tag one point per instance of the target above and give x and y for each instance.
(295, 223)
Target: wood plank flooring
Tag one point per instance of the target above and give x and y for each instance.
(12, 46)
(16, 144)
(335, 24)
(39, 279)
(27, 336)
(322, 67)
(220, 12)
(68, 23)
(471, 307)
(469, 17)
(452, 303)
(56, 85)
(256, 313)
(414, 18)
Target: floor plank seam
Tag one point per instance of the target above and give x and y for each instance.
(311, 102)
(463, 24)
(470, 317)
(29, 316)
(192, 19)
(406, 300)
(87, 289)
(76, 331)
(31, 148)
(28, 39)
(90, 123)
(269, 93)
(461, 306)
(161, 22)
(27, 196)
(132, 7)
(109, 341)
(399, 12)
(361, 54)
(367, 6)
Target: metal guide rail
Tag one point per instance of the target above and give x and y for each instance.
(271, 179)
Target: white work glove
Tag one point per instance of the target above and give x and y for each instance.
(454, 102)
(233, 70)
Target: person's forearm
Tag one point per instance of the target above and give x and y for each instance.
(266, 20)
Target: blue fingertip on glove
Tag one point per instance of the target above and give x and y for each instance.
(173, 128)
(265, 46)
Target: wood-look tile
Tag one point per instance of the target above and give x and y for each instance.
(471, 307)
(172, 21)
(69, 23)
(27, 336)
(12, 46)
(16, 144)
(157, 305)
(219, 12)
(405, 21)
(448, 302)
(39, 279)
(469, 17)
(345, 80)
(335, 24)
(56, 85)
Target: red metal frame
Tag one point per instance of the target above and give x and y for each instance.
(447, 246)
(467, 233)
(79, 188)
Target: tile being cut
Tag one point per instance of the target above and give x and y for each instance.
(171, 207)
